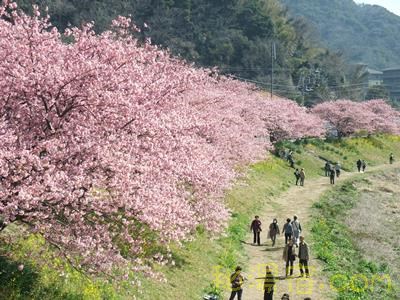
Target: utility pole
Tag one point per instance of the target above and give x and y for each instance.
(273, 57)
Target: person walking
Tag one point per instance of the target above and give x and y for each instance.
(273, 231)
(289, 256)
(256, 228)
(297, 175)
(391, 158)
(338, 168)
(296, 226)
(327, 168)
(359, 164)
(364, 165)
(269, 283)
(302, 176)
(288, 230)
(303, 257)
(237, 280)
(332, 175)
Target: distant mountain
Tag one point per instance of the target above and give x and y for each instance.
(367, 34)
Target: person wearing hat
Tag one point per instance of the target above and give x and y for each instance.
(237, 280)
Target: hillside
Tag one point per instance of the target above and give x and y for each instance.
(364, 33)
(235, 36)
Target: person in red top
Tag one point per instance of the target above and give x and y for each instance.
(256, 228)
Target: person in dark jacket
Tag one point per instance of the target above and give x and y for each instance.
(256, 228)
(303, 257)
(273, 231)
(364, 165)
(328, 168)
(391, 158)
(332, 175)
(338, 169)
(359, 164)
(269, 283)
(288, 230)
(289, 256)
(297, 175)
(237, 280)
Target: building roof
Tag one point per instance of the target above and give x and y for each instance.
(392, 69)
(375, 72)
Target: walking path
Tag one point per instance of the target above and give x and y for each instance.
(297, 200)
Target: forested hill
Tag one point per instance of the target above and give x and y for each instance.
(234, 35)
(364, 33)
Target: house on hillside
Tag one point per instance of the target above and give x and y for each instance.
(391, 80)
(374, 77)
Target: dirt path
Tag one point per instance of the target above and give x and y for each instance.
(297, 200)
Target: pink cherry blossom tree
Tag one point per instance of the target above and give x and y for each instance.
(348, 117)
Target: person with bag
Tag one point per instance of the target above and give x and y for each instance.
(237, 280)
(289, 256)
(256, 228)
(273, 231)
(288, 230)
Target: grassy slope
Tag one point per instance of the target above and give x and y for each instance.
(343, 240)
(195, 261)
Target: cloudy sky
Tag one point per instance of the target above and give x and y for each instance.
(392, 5)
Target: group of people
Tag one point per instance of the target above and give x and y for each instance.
(333, 171)
(295, 247)
(300, 176)
(237, 280)
(361, 165)
(291, 230)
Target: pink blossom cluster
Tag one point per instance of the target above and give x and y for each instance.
(348, 117)
(103, 139)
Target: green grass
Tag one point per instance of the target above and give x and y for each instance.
(351, 276)
(48, 277)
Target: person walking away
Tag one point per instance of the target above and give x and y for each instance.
(359, 164)
(237, 280)
(391, 158)
(302, 176)
(296, 230)
(289, 256)
(303, 257)
(297, 175)
(256, 228)
(364, 165)
(273, 231)
(332, 176)
(327, 168)
(269, 283)
(291, 161)
(288, 230)
(338, 168)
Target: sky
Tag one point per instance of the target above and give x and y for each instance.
(391, 5)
